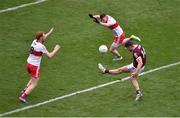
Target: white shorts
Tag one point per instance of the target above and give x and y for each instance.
(118, 41)
(131, 68)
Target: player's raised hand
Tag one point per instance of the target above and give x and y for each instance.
(57, 47)
(48, 33)
(91, 16)
(52, 29)
(96, 20)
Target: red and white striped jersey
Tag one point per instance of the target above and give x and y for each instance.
(114, 26)
(36, 51)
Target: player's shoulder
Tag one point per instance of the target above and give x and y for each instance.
(138, 48)
(38, 44)
(33, 43)
(41, 46)
(110, 18)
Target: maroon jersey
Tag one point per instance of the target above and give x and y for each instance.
(139, 52)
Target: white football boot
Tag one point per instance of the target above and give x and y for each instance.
(138, 96)
(101, 68)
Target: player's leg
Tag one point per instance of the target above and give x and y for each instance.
(29, 70)
(118, 41)
(118, 70)
(134, 81)
(112, 71)
(28, 84)
(34, 82)
(34, 71)
(125, 40)
(113, 50)
(135, 38)
(135, 84)
(132, 38)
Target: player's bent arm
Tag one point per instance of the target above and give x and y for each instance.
(97, 16)
(140, 63)
(51, 54)
(48, 33)
(105, 24)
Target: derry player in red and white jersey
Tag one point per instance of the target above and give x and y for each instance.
(119, 35)
(33, 62)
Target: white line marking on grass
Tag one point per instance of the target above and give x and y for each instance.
(21, 6)
(85, 90)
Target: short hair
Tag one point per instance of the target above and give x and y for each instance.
(102, 16)
(39, 35)
(128, 43)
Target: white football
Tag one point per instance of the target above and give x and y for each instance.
(103, 49)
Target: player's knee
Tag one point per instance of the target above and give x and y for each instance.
(34, 84)
(133, 79)
(120, 70)
(111, 49)
(123, 69)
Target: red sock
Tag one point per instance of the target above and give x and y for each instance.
(24, 95)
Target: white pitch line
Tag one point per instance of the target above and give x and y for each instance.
(21, 6)
(85, 90)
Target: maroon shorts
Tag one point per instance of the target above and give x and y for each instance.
(34, 71)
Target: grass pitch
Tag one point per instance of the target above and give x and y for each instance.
(75, 67)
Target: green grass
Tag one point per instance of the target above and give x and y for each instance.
(75, 67)
(117, 100)
(11, 3)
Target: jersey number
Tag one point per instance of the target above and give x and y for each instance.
(31, 50)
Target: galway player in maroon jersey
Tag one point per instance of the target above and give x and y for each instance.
(139, 61)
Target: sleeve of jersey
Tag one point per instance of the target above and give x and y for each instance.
(43, 50)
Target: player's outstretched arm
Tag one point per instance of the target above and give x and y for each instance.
(49, 33)
(95, 19)
(140, 63)
(97, 16)
(51, 54)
